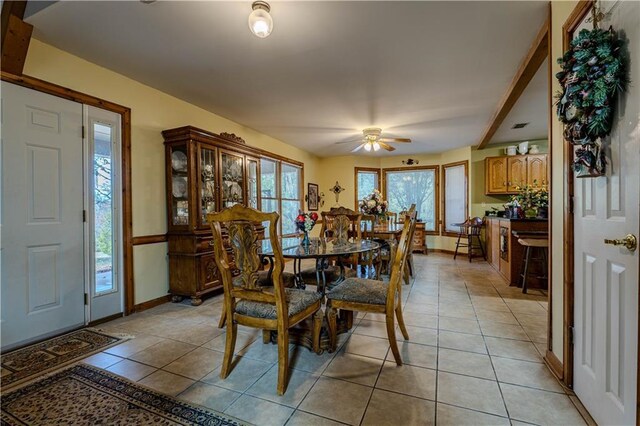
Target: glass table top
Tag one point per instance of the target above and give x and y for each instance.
(319, 247)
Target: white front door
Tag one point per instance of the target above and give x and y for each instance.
(42, 215)
(104, 213)
(606, 276)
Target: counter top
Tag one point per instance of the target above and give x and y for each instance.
(517, 220)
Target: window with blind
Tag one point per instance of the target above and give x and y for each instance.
(456, 195)
(281, 191)
(414, 185)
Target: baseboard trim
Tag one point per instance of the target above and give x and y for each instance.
(554, 364)
(105, 319)
(151, 303)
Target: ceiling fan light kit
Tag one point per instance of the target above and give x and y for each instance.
(260, 21)
(372, 141)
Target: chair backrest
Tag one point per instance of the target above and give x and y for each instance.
(238, 225)
(367, 224)
(392, 216)
(341, 223)
(399, 258)
(475, 225)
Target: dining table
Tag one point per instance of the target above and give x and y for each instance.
(320, 249)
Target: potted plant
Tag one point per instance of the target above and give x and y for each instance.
(533, 199)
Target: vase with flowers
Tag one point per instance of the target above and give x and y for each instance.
(373, 204)
(533, 199)
(305, 223)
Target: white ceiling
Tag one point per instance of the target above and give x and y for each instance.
(431, 71)
(532, 107)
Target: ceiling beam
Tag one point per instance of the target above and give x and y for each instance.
(16, 35)
(536, 55)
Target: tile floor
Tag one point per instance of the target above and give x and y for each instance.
(474, 358)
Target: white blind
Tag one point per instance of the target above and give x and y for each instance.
(455, 196)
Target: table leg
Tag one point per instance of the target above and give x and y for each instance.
(297, 264)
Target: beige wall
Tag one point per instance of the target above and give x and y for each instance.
(151, 112)
(560, 11)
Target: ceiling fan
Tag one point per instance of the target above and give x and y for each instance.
(372, 140)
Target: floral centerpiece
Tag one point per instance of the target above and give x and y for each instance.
(305, 223)
(533, 199)
(374, 204)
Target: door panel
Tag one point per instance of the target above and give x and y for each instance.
(606, 276)
(42, 227)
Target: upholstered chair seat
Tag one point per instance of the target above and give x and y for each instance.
(360, 290)
(297, 301)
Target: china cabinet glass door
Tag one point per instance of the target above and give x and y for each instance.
(233, 184)
(179, 185)
(208, 179)
(252, 182)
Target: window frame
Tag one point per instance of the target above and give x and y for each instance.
(356, 171)
(278, 182)
(464, 163)
(436, 173)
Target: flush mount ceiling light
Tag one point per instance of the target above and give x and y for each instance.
(260, 22)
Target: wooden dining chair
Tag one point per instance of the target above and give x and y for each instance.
(340, 224)
(369, 260)
(366, 295)
(248, 303)
(392, 217)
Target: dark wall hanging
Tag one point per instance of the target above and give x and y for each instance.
(592, 75)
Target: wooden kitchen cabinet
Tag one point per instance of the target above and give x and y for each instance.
(496, 175)
(503, 175)
(516, 172)
(537, 170)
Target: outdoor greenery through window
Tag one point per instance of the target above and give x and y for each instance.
(366, 181)
(417, 186)
(280, 191)
(103, 208)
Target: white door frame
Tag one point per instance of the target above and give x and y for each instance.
(89, 223)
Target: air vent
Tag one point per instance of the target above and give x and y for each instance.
(519, 125)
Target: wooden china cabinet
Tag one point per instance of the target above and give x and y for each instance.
(205, 173)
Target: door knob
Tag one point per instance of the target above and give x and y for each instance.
(630, 242)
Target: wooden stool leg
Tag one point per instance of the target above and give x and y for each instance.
(457, 245)
(484, 255)
(526, 269)
(470, 246)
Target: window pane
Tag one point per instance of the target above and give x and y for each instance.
(417, 187)
(367, 182)
(455, 197)
(269, 205)
(290, 182)
(268, 179)
(102, 208)
(289, 213)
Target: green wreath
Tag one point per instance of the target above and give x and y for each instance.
(591, 77)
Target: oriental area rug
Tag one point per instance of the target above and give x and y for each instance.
(86, 395)
(35, 360)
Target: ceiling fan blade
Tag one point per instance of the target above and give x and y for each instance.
(359, 140)
(387, 147)
(402, 140)
(357, 148)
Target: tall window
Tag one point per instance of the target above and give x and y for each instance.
(456, 195)
(280, 191)
(366, 181)
(415, 185)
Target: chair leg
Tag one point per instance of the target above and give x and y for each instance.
(283, 360)
(457, 246)
(403, 328)
(406, 275)
(410, 263)
(391, 333)
(484, 255)
(317, 328)
(470, 247)
(223, 317)
(229, 348)
(266, 336)
(333, 328)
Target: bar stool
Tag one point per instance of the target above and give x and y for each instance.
(531, 245)
(470, 229)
